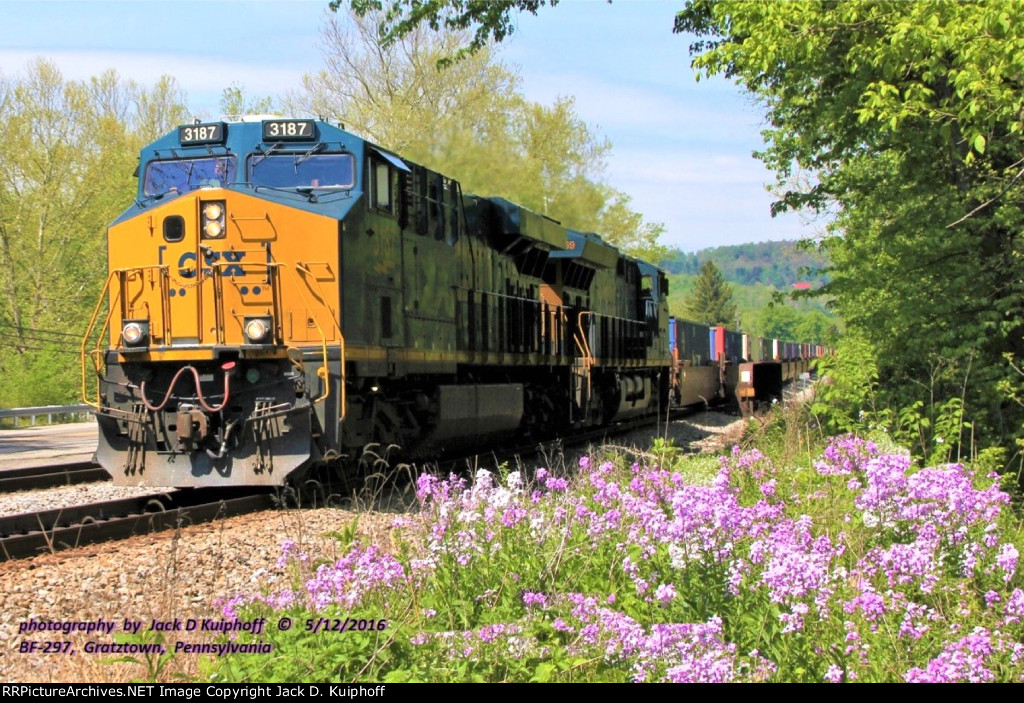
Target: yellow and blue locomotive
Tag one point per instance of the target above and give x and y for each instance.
(283, 293)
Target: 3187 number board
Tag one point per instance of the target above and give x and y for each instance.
(289, 130)
(207, 133)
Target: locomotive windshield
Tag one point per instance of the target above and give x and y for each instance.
(303, 170)
(183, 175)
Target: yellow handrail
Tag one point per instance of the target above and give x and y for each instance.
(322, 372)
(96, 354)
(85, 342)
(584, 346)
(341, 337)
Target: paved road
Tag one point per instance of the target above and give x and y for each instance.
(28, 446)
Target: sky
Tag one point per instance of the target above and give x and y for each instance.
(682, 149)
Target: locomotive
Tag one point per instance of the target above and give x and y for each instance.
(283, 294)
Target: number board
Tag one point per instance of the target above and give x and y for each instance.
(208, 133)
(289, 130)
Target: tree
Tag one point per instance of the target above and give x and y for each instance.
(711, 301)
(398, 97)
(70, 148)
(234, 101)
(907, 118)
(491, 20)
(470, 120)
(779, 321)
(626, 229)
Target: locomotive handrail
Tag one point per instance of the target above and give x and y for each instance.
(614, 317)
(497, 295)
(494, 358)
(88, 334)
(341, 340)
(584, 344)
(322, 371)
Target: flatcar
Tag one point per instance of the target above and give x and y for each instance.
(713, 364)
(283, 294)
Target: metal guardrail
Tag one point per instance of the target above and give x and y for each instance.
(54, 414)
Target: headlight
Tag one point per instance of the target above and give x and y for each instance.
(135, 332)
(258, 330)
(213, 222)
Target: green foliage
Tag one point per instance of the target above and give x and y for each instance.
(1012, 387)
(153, 664)
(307, 654)
(482, 130)
(795, 320)
(776, 264)
(761, 276)
(70, 149)
(491, 19)
(848, 386)
(852, 398)
(828, 566)
(710, 300)
(234, 101)
(906, 118)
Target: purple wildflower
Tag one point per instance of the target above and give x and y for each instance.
(965, 660)
(834, 674)
(665, 593)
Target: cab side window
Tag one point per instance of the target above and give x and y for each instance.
(381, 188)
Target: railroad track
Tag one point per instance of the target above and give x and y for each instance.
(26, 479)
(31, 534)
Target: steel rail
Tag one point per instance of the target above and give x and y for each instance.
(32, 534)
(51, 476)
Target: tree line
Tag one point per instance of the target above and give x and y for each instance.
(777, 264)
(760, 310)
(903, 121)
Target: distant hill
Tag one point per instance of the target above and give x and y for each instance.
(780, 265)
(762, 275)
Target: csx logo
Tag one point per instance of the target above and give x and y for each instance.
(187, 263)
